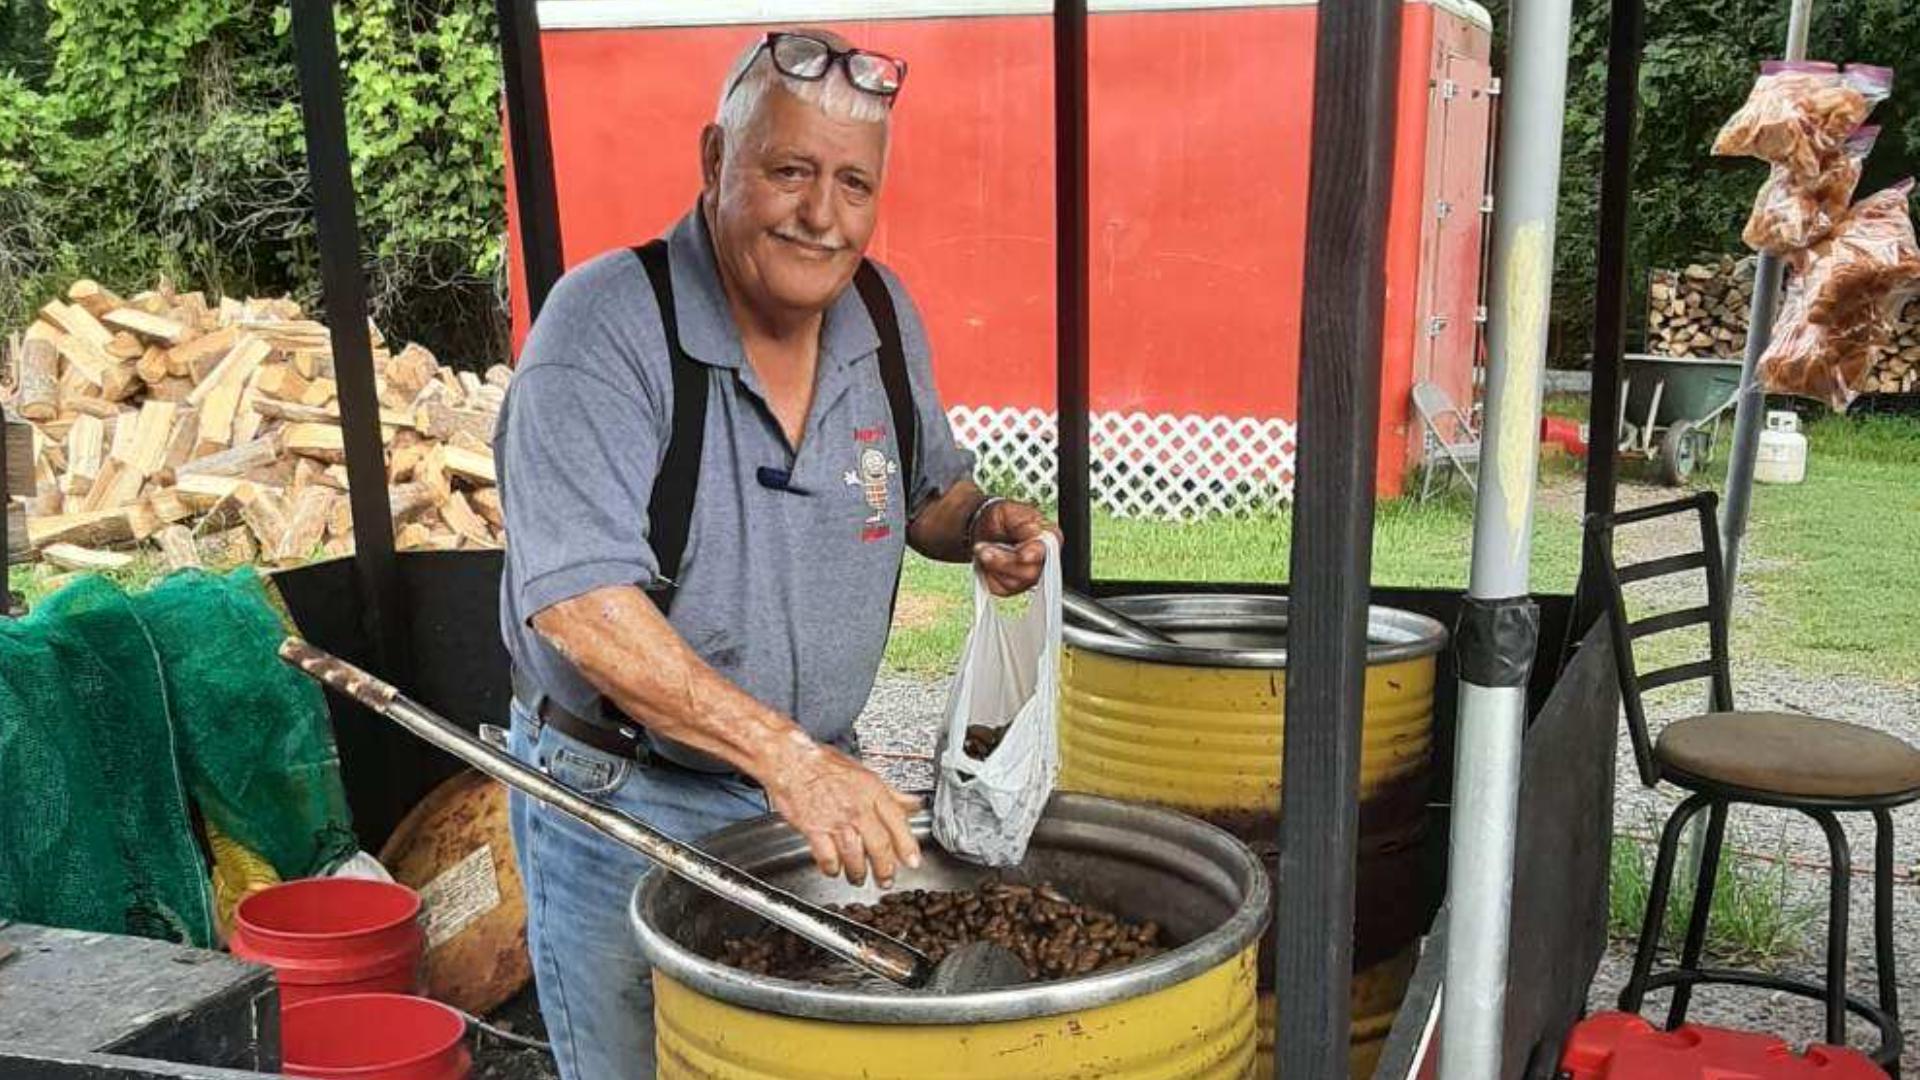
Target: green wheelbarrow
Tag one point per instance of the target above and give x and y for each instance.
(1670, 411)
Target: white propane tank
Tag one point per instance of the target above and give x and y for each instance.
(1782, 458)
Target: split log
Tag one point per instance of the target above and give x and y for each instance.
(469, 465)
(38, 397)
(265, 515)
(409, 502)
(177, 548)
(262, 451)
(151, 327)
(437, 420)
(152, 366)
(306, 524)
(486, 503)
(125, 346)
(146, 452)
(75, 557)
(233, 369)
(229, 547)
(76, 321)
(94, 298)
(197, 358)
(323, 442)
(95, 528)
(85, 449)
(460, 516)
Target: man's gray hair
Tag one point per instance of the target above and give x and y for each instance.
(833, 95)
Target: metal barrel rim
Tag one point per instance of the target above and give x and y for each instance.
(1393, 634)
(1140, 834)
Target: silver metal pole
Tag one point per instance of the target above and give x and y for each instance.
(1499, 626)
(1750, 409)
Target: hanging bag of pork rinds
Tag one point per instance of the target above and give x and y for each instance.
(1839, 315)
(1800, 113)
(1790, 214)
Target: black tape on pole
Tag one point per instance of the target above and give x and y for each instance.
(1496, 641)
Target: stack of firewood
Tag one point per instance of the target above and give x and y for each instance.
(1702, 311)
(211, 431)
(1898, 369)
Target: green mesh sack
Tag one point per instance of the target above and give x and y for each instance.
(94, 828)
(254, 735)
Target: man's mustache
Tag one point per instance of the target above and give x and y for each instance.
(827, 242)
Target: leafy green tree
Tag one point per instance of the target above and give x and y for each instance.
(177, 149)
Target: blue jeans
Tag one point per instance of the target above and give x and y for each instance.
(595, 989)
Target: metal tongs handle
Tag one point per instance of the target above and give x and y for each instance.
(860, 945)
(1106, 620)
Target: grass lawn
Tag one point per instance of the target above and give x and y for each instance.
(1836, 560)
(1413, 545)
(1831, 559)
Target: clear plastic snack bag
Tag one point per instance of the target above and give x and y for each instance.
(1791, 214)
(1838, 318)
(1869, 258)
(1823, 362)
(1800, 112)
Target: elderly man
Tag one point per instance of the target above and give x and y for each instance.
(712, 458)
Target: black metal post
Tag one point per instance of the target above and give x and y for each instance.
(1625, 43)
(1072, 312)
(1610, 281)
(344, 294)
(530, 145)
(1356, 55)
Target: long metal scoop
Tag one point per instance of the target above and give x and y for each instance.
(864, 946)
(1103, 618)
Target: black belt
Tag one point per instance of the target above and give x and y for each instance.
(626, 740)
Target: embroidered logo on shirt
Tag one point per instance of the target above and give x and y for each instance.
(870, 476)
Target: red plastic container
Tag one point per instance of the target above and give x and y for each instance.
(1621, 1046)
(374, 1037)
(1568, 433)
(330, 936)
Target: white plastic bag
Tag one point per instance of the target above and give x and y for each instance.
(1009, 677)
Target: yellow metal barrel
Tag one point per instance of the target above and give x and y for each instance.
(1196, 726)
(1187, 1014)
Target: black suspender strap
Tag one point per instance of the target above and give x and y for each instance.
(670, 509)
(893, 370)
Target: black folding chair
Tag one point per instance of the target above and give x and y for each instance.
(1816, 766)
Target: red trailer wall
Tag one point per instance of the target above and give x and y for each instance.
(1200, 121)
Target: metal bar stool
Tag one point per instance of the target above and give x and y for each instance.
(1816, 766)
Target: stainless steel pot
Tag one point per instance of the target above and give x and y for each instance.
(1205, 888)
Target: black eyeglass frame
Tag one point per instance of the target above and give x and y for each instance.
(842, 57)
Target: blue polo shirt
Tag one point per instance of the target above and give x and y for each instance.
(785, 592)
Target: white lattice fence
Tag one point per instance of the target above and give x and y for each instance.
(1156, 465)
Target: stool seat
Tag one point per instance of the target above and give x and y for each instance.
(1790, 754)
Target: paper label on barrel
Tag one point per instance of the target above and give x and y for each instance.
(460, 895)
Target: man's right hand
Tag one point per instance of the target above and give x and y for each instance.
(849, 816)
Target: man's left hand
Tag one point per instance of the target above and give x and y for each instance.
(1007, 546)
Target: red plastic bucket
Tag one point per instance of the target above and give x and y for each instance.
(374, 1037)
(330, 936)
